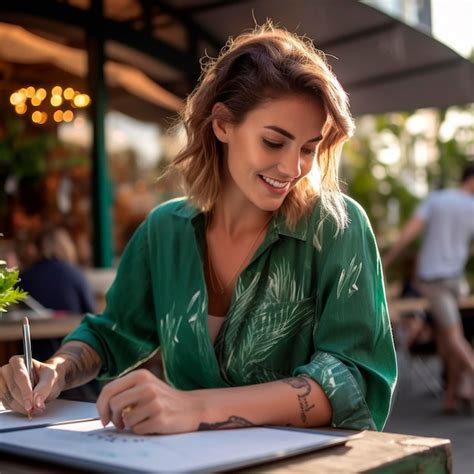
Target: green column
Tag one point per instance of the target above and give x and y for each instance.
(101, 187)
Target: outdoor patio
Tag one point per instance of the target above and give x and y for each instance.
(417, 411)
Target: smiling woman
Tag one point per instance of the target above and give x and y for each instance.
(262, 290)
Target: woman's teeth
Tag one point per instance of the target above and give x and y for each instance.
(274, 183)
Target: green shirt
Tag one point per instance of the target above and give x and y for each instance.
(311, 301)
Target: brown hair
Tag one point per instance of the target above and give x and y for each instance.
(266, 63)
(57, 243)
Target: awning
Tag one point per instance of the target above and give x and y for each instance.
(384, 64)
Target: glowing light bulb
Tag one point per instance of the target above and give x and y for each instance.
(68, 115)
(36, 116)
(21, 108)
(81, 100)
(41, 94)
(16, 98)
(56, 90)
(68, 93)
(56, 100)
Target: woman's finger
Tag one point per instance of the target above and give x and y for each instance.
(107, 393)
(116, 387)
(128, 401)
(18, 381)
(46, 378)
(8, 401)
(8, 387)
(137, 414)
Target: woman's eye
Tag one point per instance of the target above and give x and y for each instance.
(307, 151)
(272, 145)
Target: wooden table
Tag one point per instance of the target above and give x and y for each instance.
(371, 452)
(11, 332)
(397, 306)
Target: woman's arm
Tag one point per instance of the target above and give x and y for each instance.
(76, 364)
(147, 405)
(296, 401)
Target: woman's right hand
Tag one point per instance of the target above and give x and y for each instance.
(16, 392)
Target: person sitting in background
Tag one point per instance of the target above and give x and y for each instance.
(446, 219)
(56, 282)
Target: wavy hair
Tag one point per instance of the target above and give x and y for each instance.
(255, 67)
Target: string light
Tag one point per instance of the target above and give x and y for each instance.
(61, 100)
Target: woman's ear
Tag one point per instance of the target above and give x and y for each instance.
(221, 123)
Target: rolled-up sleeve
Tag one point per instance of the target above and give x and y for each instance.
(125, 334)
(354, 360)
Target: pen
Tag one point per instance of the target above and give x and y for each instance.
(27, 353)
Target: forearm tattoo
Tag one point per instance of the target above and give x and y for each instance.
(298, 383)
(231, 422)
(82, 364)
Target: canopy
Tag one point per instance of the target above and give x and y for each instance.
(384, 64)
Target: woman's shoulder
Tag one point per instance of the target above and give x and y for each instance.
(355, 211)
(356, 215)
(180, 207)
(323, 228)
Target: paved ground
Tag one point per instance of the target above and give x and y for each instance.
(417, 411)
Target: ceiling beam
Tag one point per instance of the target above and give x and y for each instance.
(196, 9)
(193, 28)
(24, 11)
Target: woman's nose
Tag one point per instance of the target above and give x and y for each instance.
(290, 166)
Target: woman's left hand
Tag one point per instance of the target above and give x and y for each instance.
(147, 405)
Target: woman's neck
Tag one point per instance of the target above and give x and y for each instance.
(236, 216)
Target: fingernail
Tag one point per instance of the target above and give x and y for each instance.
(28, 405)
(39, 402)
(104, 424)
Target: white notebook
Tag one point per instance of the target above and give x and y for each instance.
(86, 444)
(57, 411)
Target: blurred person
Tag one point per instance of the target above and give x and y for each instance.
(57, 283)
(446, 220)
(262, 289)
(55, 280)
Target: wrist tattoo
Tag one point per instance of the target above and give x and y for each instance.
(231, 422)
(82, 364)
(301, 382)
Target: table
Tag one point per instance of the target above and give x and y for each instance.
(11, 332)
(397, 306)
(371, 452)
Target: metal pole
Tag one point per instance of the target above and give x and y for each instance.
(101, 187)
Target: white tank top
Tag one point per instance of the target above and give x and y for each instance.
(214, 324)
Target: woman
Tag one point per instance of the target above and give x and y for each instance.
(265, 259)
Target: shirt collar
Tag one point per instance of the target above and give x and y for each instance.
(300, 231)
(186, 210)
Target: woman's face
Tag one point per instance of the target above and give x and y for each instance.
(272, 149)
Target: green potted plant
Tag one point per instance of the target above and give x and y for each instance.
(9, 294)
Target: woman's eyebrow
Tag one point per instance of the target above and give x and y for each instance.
(287, 134)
